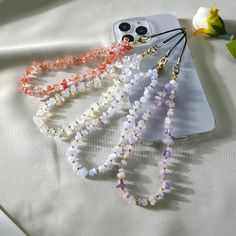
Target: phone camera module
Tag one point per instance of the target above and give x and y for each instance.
(124, 26)
(129, 37)
(141, 30)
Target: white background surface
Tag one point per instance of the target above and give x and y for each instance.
(7, 227)
(37, 187)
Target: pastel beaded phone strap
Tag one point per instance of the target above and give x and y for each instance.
(108, 55)
(99, 115)
(168, 98)
(118, 71)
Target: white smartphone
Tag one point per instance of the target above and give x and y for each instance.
(193, 114)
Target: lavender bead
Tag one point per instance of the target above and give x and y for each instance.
(163, 175)
(121, 185)
(166, 185)
(167, 153)
(169, 87)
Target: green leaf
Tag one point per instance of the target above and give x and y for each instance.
(232, 47)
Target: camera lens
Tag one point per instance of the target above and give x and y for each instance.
(129, 37)
(141, 30)
(124, 26)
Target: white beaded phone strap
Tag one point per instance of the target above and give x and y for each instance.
(96, 123)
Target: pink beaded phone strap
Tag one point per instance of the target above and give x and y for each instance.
(109, 54)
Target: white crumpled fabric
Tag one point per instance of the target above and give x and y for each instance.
(38, 189)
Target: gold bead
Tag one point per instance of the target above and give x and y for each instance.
(144, 54)
(175, 70)
(151, 50)
(174, 77)
(135, 41)
(143, 39)
(163, 60)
